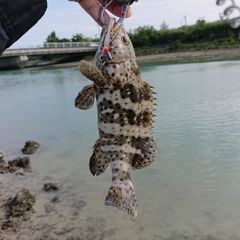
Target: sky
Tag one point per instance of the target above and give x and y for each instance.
(68, 18)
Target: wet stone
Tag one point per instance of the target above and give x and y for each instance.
(79, 204)
(21, 205)
(75, 215)
(1, 155)
(15, 164)
(49, 207)
(15, 210)
(19, 174)
(55, 200)
(2, 163)
(8, 225)
(50, 186)
(3, 168)
(30, 147)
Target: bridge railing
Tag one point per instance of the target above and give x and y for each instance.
(70, 44)
(52, 48)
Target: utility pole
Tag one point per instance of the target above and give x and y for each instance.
(185, 17)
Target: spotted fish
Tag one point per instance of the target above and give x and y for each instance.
(125, 106)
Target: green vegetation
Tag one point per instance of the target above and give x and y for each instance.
(52, 37)
(200, 36)
(148, 40)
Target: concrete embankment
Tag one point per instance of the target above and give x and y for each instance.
(13, 62)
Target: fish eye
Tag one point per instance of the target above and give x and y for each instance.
(125, 41)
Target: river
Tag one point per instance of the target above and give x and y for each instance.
(192, 190)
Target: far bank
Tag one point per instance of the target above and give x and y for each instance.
(231, 53)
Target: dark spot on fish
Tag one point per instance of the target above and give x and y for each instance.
(131, 115)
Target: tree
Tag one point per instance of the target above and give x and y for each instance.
(144, 36)
(52, 37)
(78, 38)
(201, 21)
(63, 40)
(164, 26)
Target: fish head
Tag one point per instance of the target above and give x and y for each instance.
(115, 57)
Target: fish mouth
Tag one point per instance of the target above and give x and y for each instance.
(112, 25)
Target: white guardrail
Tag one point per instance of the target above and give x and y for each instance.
(48, 48)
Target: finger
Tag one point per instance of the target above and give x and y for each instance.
(93, 7)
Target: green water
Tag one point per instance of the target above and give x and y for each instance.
(192, 191)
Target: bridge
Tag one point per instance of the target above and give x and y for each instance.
(16, 58)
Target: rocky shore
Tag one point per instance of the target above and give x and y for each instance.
(216, 54)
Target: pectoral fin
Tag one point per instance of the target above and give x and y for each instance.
(90, 71)
(98, 161)
(85, 98)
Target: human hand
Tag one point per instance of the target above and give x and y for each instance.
(93, 7)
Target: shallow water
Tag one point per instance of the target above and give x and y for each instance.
(192, 191)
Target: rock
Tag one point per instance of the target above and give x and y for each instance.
(49, 207)
(55, 200)
(8, 225)
(79, 204)
(50, 186)
(30, 147)
(4, 170)
(25, 164)
(21, 205)
(18, 163)
(1, 155)
(15, 164)
(19, 174)
(2, 163)
(15, 210)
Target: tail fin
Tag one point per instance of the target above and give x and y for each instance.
(122, 196)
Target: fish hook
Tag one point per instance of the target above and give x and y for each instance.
(123, 12)
(104, 7)
(124, 9)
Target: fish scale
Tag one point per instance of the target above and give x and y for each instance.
(125, 106)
